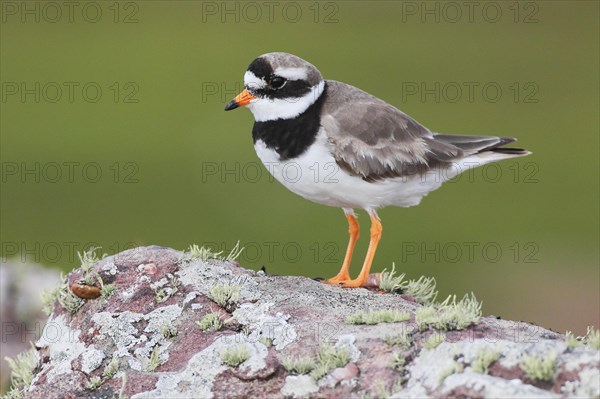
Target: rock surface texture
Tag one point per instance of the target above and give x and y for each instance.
(184, 326)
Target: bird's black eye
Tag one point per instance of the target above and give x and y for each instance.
(277, 82)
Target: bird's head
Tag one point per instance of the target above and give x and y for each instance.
(279, 86)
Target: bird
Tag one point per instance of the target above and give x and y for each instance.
(340, 146)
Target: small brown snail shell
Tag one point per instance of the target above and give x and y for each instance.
(85, 291)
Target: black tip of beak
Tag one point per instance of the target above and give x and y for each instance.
(232, 105)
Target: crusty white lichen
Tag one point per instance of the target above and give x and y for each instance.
(120, 328)
(196, 379)
(63, 345)
(262, 324)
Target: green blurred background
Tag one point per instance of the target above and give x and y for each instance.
(176, 169)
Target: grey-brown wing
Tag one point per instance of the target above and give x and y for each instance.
(373, 139)
(370, 137)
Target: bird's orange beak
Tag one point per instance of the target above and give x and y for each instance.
(240, 100)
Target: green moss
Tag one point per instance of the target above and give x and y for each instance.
(572, 341)
(378, 316)
(389, 282)
(454, 368)
(433, 340)
(423, 290)
(87, 261)
(538, 368)
(450, 314)
(109, 372)
(69, 301)
(22, 370)
(196, 252)
(162, 293)
(426, 316)
(328, 358)
(210, 322)
(154, 360)
(106, 290)
(398, 361)
(225, 295)
(300, 365)
(93, 383)
(235, 252)
(235, 356)
(403, 339)
(483, 359)
(111, 368)
(48, 298)
(592, 338)
(268, 342)
(168, 331)
(123, 385)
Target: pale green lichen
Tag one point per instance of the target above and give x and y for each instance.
(422, 290)
(592, 338)
(378, 316)
(87, 260)
(454, 368)
(123, 385)
(403, 339)
(22, 370)
(450, 314)
(196, 252)
(62, 293)
(93, 383)
(572, 341)
(154, 360)
(225, 295)
(300, 365)
(210, 322)
(389, 282)
(235, 252)
(111, 368)
(483, 360)
(538, 368)
(398, 361)
(328, 358)
(234, 356)
(426, 316)
(109, 372)
(161, 293)
(268, 342)
(168, 331)
(433, 340)
(69, 301)
(90, 276)
(106, 290)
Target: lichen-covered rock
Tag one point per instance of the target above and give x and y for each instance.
(143, 340)
(21, 308)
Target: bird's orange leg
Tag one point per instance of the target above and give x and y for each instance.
(354, 230)
(376, 230)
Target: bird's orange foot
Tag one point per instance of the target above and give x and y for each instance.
(356, 283)
(347, 282)
(337, 280)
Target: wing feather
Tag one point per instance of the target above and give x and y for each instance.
(373, 139)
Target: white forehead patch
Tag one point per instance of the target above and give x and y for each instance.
(253, 82)
(291, 73)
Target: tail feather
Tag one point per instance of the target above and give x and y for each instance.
(471, 145)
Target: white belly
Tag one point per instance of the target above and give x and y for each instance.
(316, 176)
